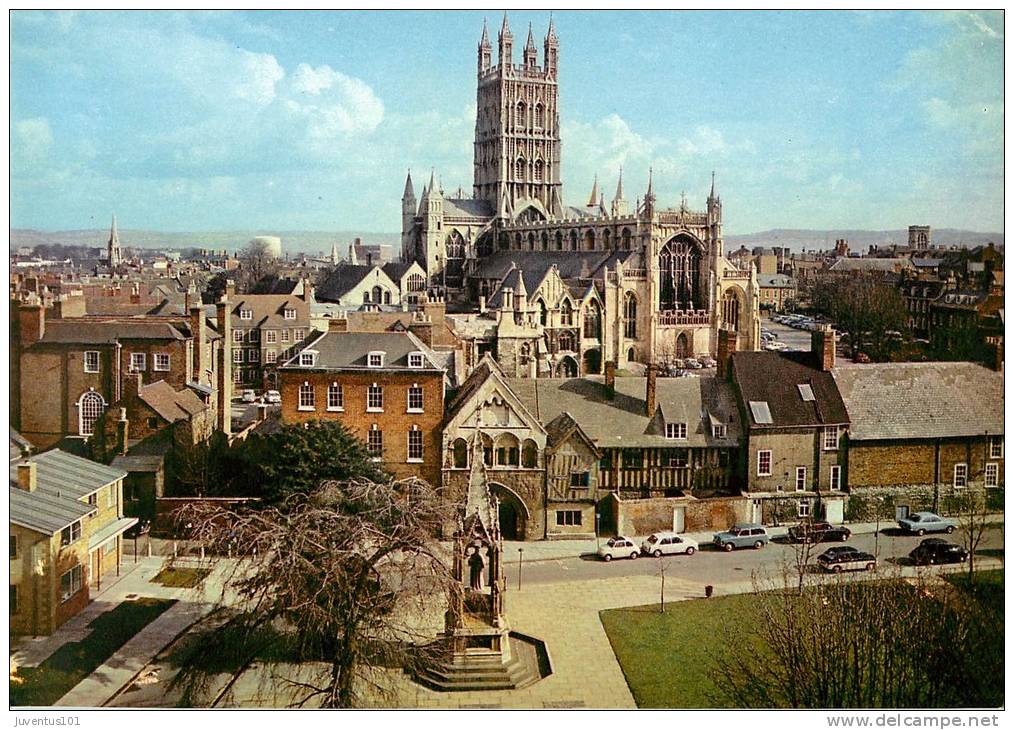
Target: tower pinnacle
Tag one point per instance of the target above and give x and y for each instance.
(409, 193)
(593, 199)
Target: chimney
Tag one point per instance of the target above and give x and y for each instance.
(230, 287)
(422, 327)
(822, 346)
(224, 316)
(998, 356)
(482, 304)
(199, 331)
(435, 309)
(650, 373)
(610, 379)
(727, 343)
(27, 476)
(31, 323)
(122, 432)
(339, 324)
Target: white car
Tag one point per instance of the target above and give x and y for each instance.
(272, 396)
(668, 543)
(249, 396)
(708, 362)
(692, 363)
(618, 547)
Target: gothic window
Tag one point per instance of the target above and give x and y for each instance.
(460, 449)
(545, 241)
(566, 341)
(730, 309)
(592, 319)
(416, 282)
(387, 297)
(566, 313)
(559, 240)
(517, 241)
(625, 237)
(378, 295)
(682, 346)
(487, 450)
(606, 240)
(520, 120)
(525, 354)
(505, 242)
(630, 315)
(589, 240)
(519, 169)
(573, 240)
(542, 312)
(90, 407)
(529, 454)
(507, 450)
(531, 241)
(631, 355)
(538, 171)
(538, 116)
(679, 265)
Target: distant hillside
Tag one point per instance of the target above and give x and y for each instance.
(797, 239)
(294, 242)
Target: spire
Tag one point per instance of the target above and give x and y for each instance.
(651, 188)
(432, 185)
(712, 196)
(521, 290)
(114, 240)
(353, 258)
(409, 193)
(484, 41)
(530, 45)
(334, 253)
(593, 199)
(505, 29)
(619, 186)
(551, 33)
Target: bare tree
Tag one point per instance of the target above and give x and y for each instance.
(340, 580)
(973, 521)
(258, 261)
(865, 307)
(661, 566)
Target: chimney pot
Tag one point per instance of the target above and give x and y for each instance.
(28, 476)
(822, 346)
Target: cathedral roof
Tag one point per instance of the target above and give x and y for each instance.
(467, 208)
(570, 264)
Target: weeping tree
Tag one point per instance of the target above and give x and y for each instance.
(342, 584)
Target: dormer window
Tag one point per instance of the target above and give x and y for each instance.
(676, 431)
(246, 314)
(719, 431)
(307, 358)
(290, 313)
(375, 359)
(415, 359)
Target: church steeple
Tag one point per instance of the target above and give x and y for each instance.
(113, 245)
(409, 193)
(485, 50)
(531, 53)
(552, 49)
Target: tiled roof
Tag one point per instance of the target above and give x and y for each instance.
(268, 310)
(396, 270)
(349, 350)
(44, 511)
(871, 264)
(914, 400)
(275, 285)
(96, 333)
(171, 404)
(774, 378)
(622, 422)
(342, 279)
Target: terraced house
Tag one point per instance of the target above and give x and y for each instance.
(66, 533)
(266, 330)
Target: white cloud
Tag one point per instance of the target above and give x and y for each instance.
(33, 139)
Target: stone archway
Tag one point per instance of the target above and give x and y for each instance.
(567, 368)
(514, 514)
(684, 346)
(592, 361)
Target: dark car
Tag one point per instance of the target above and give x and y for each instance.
(837, 559)
(819, 532)
(934, 550)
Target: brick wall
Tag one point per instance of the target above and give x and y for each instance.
(395, 421)
(899, 463)
(645, 516)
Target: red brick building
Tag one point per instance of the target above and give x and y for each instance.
(387, 388)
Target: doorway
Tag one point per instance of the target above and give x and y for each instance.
(679, 519)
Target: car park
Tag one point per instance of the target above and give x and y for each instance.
(692, 363)
(741, 536)
(836, 560)
(708, 361)
(668, 543)
(272, 396)
(919, 523)
(935, 550)
(618, 547)
(809, 532)
(249, 396)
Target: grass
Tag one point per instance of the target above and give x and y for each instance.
(181, 577)
(43, 685)
(671, 659)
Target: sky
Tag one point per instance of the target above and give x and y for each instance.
(281, 121)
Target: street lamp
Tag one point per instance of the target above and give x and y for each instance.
(598, 517)
(521, 554)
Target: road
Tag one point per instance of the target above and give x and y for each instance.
(712, 566)
(793, 339)
(243, 414)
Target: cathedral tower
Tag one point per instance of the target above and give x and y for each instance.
(517, 126)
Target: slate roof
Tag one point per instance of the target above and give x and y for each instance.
(173, 405)
(349, 350)
(268, 310)
(472, 383)
(396, 270)
(133, 463)
(921, 400)
(275, 285)
(78, 331)
(774, 377)
(622, 422)
(570, 264)
(341, 280)
(467, 208)
(62, 481)
(871, 264)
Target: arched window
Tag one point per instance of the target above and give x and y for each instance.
(545, 241)
(538, 116)
(487, 450)
(90, 407)
(567, 368)
(607, 241)
(538, 171)
(460, 449)
(566, 341)
(525, 354)
(730, 309)
(589, 240)
(366, 297)
(679, 264)
(531, 241)
(625, 237)
(566, 313)
(573, 240)
(520, 120)
(519, 169)
(559, 240)
(387, 297)
(630, 315)
(378, 295)
(507, 450)
(543, 313)
(592, 318)
(631, 355)
(529, 454)
(416, 282)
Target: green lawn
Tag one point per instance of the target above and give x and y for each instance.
(181, 577)
(43, 685)
(672, 659)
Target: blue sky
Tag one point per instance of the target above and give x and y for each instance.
(300, 120)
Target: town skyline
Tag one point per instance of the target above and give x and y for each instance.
(257, 130)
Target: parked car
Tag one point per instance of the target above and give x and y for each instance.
(677, 363)
(835, 560)
(618, 547)
(272, 396)
(819, 532)
(692, 363)
(668, 543)
(708, 361)
(738, 536)
(937, 550)
(919, 523)
(249, 396)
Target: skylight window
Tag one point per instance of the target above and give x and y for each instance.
(806, 392)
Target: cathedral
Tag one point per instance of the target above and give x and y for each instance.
(567, 288)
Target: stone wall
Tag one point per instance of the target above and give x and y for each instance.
(872, 503)
(645, 516)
